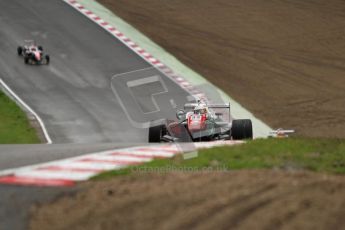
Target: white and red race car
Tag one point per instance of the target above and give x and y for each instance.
(201, 123)
(32, 53)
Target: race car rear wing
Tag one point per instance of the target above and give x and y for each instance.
(29, 42)
(212, 106)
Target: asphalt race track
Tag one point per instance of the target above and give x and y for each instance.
(74, 95)
(77, 95)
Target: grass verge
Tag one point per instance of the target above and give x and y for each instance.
(321, 155)
(14, 125)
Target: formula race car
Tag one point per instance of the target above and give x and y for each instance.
(32, 53)
(199, 122)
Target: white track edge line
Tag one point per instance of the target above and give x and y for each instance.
(17, 98)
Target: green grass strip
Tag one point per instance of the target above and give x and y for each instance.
(14, 125)
(320, 155)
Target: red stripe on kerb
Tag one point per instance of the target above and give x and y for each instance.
(21, 180)
(97, 18)
(149, 156)
(166, 147)
(112, 28)
(104, 23)
(80, 7)
(116, 162)
(156, 62)
(120, 34)
(73, 1)
(88, 12)
(68, 169)
(126, 40)
(157, 150)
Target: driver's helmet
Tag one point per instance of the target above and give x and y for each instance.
(200, 109)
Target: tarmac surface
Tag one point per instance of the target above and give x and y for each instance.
(74, 94)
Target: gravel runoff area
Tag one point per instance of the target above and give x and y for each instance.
(282, 60)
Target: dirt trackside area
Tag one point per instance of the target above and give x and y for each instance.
(283, 60)
(220, 200)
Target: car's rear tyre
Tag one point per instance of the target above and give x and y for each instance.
(242, 129)
(47, 59)
(26, 60)
(40, 48)
(19, 50)
(156, 133)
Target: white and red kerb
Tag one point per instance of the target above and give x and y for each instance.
(68, 171)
